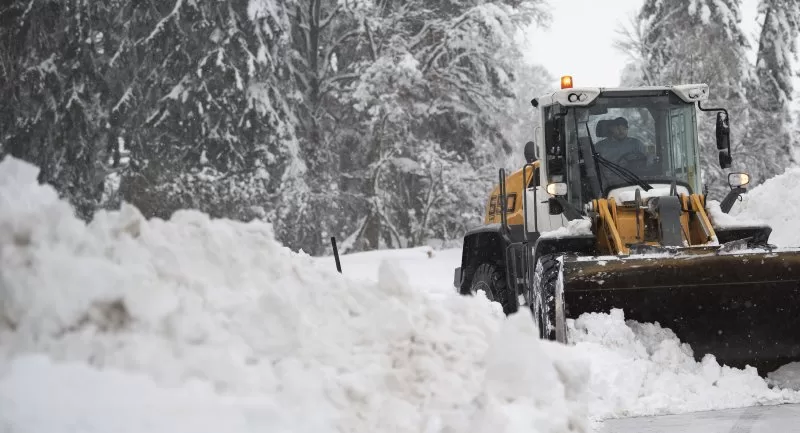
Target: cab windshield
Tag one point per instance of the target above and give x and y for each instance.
(651, 137)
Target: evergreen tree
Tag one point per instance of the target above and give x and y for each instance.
(770, 91)
(777, 50)
(379, 119)
(433, 97)
(212, 129)
(321, 33)
(56, 100)
(699, 41)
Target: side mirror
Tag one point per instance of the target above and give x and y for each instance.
(555, 146)
(554, 136)
(738, 180)
(725, 159)
(530, 152)
(723, 132)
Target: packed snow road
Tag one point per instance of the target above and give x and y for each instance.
(755, 419)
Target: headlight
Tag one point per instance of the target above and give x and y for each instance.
(557, 188)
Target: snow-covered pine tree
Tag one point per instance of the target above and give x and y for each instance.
(770, 91)
(192, 89)
(531, 81)
(323, 35)
(384, 120)
(55, 110)
(777, 49)
(206, 117)
(433, 100)
(697, 41)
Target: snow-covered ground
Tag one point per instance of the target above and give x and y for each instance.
(195, 325)
(637, 369)
(642, 369)
(428, 268)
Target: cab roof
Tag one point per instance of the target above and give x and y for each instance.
(582, 96)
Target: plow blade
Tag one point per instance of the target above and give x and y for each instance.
(742, 307)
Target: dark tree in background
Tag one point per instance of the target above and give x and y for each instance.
(207, 120)
(380, 122)
(694, 41)
(55, 98)
(191, 90)
(771, 90)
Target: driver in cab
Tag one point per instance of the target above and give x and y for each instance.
(617, 146)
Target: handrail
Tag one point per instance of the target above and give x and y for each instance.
(504, 200)
(525, 201)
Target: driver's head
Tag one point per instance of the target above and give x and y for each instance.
(619, 128)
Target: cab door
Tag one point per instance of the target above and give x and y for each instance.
(539, 218)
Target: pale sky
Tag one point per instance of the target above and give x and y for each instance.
(580, 39)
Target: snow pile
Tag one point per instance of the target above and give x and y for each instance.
(628, 194)
(643, 369)
(788, 376)
(726, 220)
(777, 203)
(576, 227)
(194, 325)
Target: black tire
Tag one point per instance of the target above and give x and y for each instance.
(492, 280)
(551, 322)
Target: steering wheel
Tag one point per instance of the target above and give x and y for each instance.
(634, 157)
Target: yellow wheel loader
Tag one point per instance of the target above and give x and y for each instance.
(609, 212)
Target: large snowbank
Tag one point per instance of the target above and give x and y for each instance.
(643, 369)
(776, 202)
(195, 325)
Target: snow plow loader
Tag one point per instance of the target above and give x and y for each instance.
(609, 211)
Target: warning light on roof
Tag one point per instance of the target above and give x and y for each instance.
(566, 82)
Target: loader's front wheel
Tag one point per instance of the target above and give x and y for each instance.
(492, 281)
(548, 306)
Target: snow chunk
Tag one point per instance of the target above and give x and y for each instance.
(142, 312)
(628, 193)
(644, 369)
(515, 365)
(576, 227)
(726, 220)
(788, 376)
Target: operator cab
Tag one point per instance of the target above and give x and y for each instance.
(607, 143)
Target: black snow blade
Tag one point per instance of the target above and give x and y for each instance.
(742, 307)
